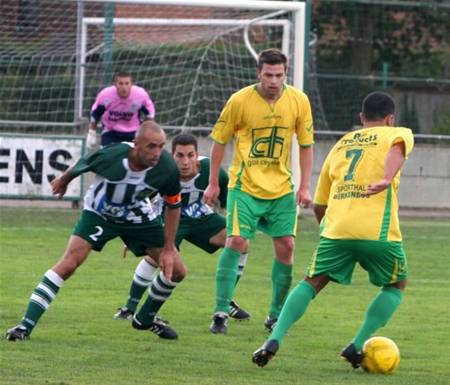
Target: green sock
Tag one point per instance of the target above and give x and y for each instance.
(378, 313)
(226, 273)
(160, 290)
(281, 282)
(295, 306)
(142, 279)
(40, 299)
(135, 295)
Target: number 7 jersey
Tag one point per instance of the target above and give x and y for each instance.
(356, 161)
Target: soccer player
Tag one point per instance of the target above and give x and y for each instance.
(121, 108)
(199, 223)
(116, 205)
(262, 119)
(357, 208)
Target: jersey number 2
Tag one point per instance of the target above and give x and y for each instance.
(355, 156)
(95, 236)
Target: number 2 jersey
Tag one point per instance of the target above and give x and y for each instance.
(354, 162)
(120, 194)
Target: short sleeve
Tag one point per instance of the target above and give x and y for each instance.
(404, 135)
(88, 163)
(322, 193)
(171, 191)
(304, 127)
(223, 130)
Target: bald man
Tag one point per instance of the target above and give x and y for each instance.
(117, 204)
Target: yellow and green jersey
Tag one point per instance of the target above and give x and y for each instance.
(262, 136)
(356, 161)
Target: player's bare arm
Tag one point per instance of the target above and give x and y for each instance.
(393, 163)
(169, 251)
(319, 212)
(59, 185)
(306, 161)
(213, 190)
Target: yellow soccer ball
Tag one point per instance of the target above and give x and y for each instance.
(380, 355)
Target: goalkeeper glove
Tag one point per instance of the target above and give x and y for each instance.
(91, 139)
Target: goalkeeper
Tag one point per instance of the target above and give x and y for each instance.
(121, 108)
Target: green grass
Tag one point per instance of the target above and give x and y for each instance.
(78, 343)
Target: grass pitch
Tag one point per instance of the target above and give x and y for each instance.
(78, 343)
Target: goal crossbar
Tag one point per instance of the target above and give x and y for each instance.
(98, 21)
(235, 4)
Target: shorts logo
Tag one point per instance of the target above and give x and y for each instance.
(267, 143)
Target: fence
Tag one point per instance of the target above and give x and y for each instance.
(355, 46)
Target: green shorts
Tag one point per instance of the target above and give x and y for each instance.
(199, 231)
(274, 217)
(138, 237)
(384, 261)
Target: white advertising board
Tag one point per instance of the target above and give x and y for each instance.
(29, 163)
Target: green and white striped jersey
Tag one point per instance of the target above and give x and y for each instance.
(192, 205)
(121, 195)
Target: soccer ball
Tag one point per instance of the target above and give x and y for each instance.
(380, 355)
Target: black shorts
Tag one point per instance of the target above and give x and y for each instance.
(111, 136)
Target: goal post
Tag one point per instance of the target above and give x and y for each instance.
(228, 35)
(57, 55)
(190, 55)
(176, 22)
(292, 42)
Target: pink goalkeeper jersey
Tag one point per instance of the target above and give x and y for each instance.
(119, 114)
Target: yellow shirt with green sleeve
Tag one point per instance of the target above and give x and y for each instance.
(262, 136)
(354, 162)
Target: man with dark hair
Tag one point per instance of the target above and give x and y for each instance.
(377, 105)
(262, 119)
(357, 208)
(271, 57)
(116, 205)
(121, 108)
(199, 223)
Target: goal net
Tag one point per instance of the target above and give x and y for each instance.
(189, 55)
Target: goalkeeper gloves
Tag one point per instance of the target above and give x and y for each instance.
(91, 139)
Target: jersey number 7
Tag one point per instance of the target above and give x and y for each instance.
(355, 156)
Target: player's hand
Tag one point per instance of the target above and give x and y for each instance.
(304, 198)
(375, 188)
(59, 187)
(211, 194)
(91, 139)
(166, 260)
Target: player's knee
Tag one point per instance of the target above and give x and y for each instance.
(151, 261)
(318, 282)
(285, 250)
(401, 285)
(66, 266)
(237, 243)
(219, 239)
(179, 272)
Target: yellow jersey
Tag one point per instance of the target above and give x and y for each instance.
(262, 136)
(355, 161)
